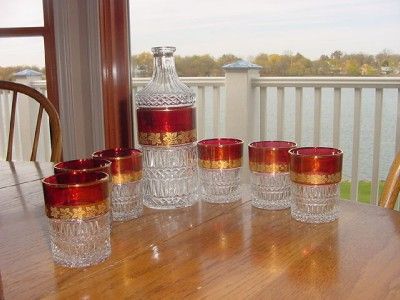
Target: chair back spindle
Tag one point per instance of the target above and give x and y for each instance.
(44, 105)
(37, 133)
(12, 125)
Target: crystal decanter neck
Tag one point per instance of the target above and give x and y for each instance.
(163, 64)
(165, 89)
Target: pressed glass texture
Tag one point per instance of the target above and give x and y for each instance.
(167, 135)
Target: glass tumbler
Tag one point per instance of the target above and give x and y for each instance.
(126, 182)
(77, 208)
(220, 161)
(269, 174)
(84, 165)
(315, 173)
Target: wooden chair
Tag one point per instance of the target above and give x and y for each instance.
(392, 185)
(55, 127)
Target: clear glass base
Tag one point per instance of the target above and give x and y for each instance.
(220, 185)
(127, 201)
(80, 243)
(315, 203)
(170, 176)
(270, 190)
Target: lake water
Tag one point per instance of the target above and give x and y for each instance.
(388, 134)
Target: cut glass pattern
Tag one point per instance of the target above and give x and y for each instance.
(220, 185)
(270, 190)
(127, 200)
(170, 176)
(315, 203)
(80, 243)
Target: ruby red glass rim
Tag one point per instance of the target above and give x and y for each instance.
(117, 153)
(315, 152)
(220, 142)
(166, 120)
(85, 164)
(76, 179)
(272, 145)
(167, 109)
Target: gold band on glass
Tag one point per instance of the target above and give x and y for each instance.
(78, 212)
(167, 138)
(272, 168)
(304, 178)
(220, 164)
(127, 177)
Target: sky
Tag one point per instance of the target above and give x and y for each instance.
(241, 27)
(249, 27)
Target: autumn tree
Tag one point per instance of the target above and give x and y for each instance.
(352, 67)
(142, 64)
(262, 60)
(321, 66)
(224, 60)
(196, 65)
(299, 66)
(368, 70)
(388, 59)
(337, 55)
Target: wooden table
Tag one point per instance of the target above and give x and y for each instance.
(216, 251)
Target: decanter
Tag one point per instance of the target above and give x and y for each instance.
(167, 134)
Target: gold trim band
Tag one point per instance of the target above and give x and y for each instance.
(220, 164)
(315, 178)
(127, 177)
(272, 168)
(78, 212)
(167, 138)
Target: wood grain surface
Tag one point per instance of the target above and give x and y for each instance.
(205, 251)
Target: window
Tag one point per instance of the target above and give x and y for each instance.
(26, 31)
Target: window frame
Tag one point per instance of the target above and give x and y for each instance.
(116, 77)
(47, 32)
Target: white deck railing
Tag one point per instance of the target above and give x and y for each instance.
(357, 113)
(325, 97)
(358, 84)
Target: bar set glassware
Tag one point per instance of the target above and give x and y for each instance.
(77, 207)
(315, 173)
(126, 182)
(220, 162)
(85, 195)
(306, 179)
(269, 174)
(167, 134)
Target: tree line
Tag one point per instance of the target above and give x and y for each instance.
(335, 64)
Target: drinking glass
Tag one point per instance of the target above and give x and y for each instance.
(84, 165)
(269, 174)
(315, 173)
(126, 182)
(77, 208)
(220, 161)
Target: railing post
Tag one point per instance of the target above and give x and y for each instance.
(240, 112)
